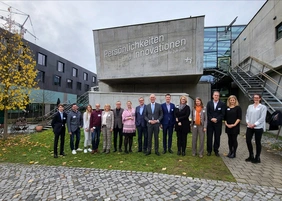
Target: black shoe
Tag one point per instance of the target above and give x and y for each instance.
(158, 153)
(130, 150)
(148, 153)
(232, 155)
(120, 150)
(170, 151)
(250, 159)
(183, 154)
(104, 151)
(229, 153)
(144, 151)
(209, 154)
(217, 154)
(178, 153)
(256, 160)
(115, 150)
(63, 154)
(164, 151)
(55, 156)
(126, 152)
(139, 150)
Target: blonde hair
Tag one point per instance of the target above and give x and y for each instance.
(88, 111)
(186, 99)
(106, 105)
(236, 100)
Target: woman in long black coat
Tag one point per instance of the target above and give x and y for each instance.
(182, 125)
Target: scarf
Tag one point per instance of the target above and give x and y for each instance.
(198, 110)
(181, 106)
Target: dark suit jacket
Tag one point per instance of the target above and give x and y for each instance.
(168, 117)
(217, 113)
(183, 117)
(157, 115)
(118, 118)
(139, 118)
(59, 125)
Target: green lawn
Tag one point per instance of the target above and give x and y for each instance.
(37, 148)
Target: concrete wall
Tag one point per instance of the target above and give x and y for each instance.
(168, 48)
(259, 39)
(113, 97)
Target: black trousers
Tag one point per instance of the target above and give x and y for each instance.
(181, 140)
(249, 135)
(142, 131)
(153, 129)
(232, 142)
(213, 131)
(56, 140)
(118, 134)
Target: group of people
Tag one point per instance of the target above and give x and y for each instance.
(146, 121)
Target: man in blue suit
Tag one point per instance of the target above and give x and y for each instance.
(168, 122)
(141, 126)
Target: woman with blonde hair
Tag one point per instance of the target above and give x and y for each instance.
(199, 126)
(107, 128)
(129, 128)
(86, 129)
(233, 116)
(182, 125)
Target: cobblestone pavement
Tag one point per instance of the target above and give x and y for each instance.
(32, 182)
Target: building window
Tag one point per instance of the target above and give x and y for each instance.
(78, 85)
(61, 67)
(69, 83)
(93, 79)
(74, 72)
(57, 80)
(40, 76)
(86, 87)
(42, 59)
(85, 76)
(279, 31)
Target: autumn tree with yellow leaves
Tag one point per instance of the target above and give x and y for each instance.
(17, 74)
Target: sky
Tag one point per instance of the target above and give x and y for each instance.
(65, 27)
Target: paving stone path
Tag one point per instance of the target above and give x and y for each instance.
(25, 182)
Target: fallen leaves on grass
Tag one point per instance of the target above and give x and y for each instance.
(184, 173)
(64, 163)
(164, 168)
(121, 162)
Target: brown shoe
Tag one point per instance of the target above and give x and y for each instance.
(93, 151)
(96, 151)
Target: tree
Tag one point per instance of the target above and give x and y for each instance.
(18, 73)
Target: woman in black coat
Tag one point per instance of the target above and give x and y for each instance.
(182, 125)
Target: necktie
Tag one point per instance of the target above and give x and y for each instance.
(153, 107)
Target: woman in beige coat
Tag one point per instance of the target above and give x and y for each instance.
(107, 128)
(199, 125)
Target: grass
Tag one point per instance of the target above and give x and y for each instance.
(37, 148)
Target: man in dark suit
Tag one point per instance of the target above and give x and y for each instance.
(215, 112)
(153, 117)
(167, 122)
(118, 126)
(59, 128)
(141, 126)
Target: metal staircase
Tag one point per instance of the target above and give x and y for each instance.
(46, 120)
(256, 77)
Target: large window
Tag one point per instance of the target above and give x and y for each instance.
(86, 87)
(78, 85)
(40, 76)
(69, 83)
(279, 31)
(93, 79)
(74, 72)
(42, 59)
(85, 76)
(57, 80)
(61, 66)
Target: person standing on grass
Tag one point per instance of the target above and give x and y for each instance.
(233, 116)
(215, 112)
(118, 126)
(87, 132)
(141, 126)
(107, 128)
(95, 127)
(129, 128)
(59, 128)
(199, 126)
(74, 122)
(255, 119)
(182, 125)
(167, 123)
